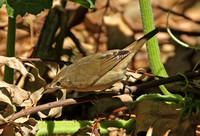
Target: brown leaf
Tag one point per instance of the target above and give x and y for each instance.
(113, 131)
(16, 64)
(17, 94)
(186, 127)
(8, 130)
(2, 120)
(158, 115)
(106, 106)
(28, 126)
(93, 20)
(54, 67)
(117, 30)
(54, 112)
(36, 87)
(6, 108)
(3, 17)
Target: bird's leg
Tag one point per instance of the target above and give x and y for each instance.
(124, 84)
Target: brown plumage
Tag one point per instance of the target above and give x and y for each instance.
(98, 71)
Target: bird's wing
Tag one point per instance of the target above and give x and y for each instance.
(109, 60)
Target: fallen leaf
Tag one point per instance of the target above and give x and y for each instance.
(106, 106)
(54, 112)
(8, 130)
(113, 131)
(6, 108)
(27, 125)
(36, 88)
(186, 127)
(158, 115)
(18, 95)
(15, 64)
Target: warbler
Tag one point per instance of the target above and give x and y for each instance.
(97, 71)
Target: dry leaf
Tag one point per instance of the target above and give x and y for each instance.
(149, 132)
(2, 120)
(186, 127)
(54, 112)
(17, 94)
(106, 106)
(158, 115)
(113, 131)
(8, 130)
(6, 108)
(36, 87)
(28, 126)
(93, 20)
(6, 112)
(20, 127)
(15, 64)
(54, 67)
(117, 30)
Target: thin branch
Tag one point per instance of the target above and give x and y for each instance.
(59, 103)
(96, 97)
(44, 60)
(162, 81)
(76, 41)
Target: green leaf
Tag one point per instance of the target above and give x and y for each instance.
(86, 3)
(2, 2)
(21, 7)
(10, 10)
(158, 97)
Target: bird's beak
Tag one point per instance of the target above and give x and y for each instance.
(48, 90)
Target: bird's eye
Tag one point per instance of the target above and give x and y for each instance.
(58, 83)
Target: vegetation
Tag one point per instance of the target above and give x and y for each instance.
(167, 96)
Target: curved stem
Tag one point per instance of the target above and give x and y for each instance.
(152, 45)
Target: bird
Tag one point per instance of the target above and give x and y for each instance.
(98, 71)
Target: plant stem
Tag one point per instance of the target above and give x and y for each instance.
(152, 45)
(70, 127)
(10, 51)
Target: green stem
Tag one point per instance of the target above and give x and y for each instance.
(152, 45)
(70, 127)
(10, 51)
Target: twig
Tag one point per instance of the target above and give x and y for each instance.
(95, 127)
(43, 60)
(162, 81)
(96, 97)
(143, 73)
(59, 103)
(76, 41)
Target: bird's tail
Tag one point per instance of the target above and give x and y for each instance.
(135, 46)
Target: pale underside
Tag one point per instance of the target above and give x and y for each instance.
(94, 73)
(98, 71)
